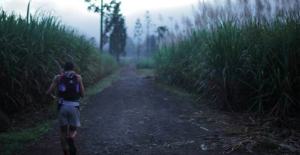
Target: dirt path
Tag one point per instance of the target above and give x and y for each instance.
(133, 116)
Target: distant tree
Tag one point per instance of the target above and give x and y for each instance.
(152, 43)
(148, 26)
(130, 47)
(115, 27)
(138, 32)
(151, 40)
(161, 18)
(99, 9)
(162, 31)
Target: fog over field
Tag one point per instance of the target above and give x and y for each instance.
(167, 77)
(75, 14)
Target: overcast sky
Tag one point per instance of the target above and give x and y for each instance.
(74, 12)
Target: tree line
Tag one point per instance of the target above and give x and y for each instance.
(115, 31)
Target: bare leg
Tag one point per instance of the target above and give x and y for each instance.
(64, 136)
(73, 131)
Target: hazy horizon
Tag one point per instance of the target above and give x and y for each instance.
(88, 23)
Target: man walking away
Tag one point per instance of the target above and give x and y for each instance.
(70, 89)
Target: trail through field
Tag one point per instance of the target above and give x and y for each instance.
(134, 116)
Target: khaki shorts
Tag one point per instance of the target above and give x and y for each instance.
(69, 115)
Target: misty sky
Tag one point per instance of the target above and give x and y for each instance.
(74, 12)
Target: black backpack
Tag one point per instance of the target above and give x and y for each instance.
(71, 85)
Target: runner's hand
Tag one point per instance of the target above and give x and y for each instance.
(51, 97)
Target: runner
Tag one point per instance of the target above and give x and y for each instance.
(70, 89)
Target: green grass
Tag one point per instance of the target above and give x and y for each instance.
(145, 64)
(176, 90)
(99, 86)
(125, 62)
(34, 50)
(146, 71)
(241, 65)
(12, 142)
(108, 66)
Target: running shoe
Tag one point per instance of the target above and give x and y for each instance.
(72, 148)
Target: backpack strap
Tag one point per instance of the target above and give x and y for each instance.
(77, 77)
(77, 84)
(62, 78)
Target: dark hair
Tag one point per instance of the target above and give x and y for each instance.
(69, 66)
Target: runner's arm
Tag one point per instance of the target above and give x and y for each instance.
(53, 85)
(81, 87)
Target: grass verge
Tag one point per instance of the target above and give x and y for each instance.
(125, 62)
(176, 90)
(98, 87)
(146, 71)
(14, 141)
(145, 64)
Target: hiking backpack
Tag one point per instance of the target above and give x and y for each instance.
(68, 88)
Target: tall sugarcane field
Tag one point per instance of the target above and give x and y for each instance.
(149, 77)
